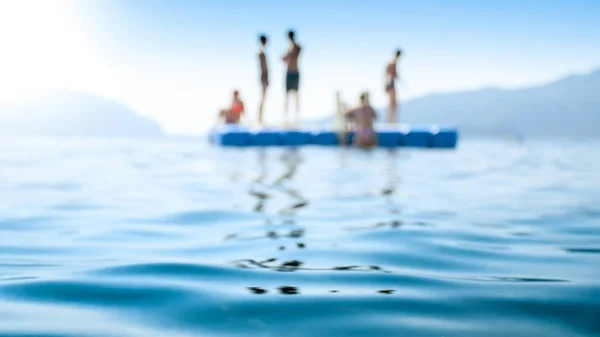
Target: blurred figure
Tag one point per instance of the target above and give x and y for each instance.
(292, 77)
(341, 123)
(363, 117)
(391, 75)
(233, 115)
(264, 76)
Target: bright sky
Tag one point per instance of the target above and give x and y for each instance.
(177, 61)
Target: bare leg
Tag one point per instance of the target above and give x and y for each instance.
(397, 114)
(223, 114)
(393, 106)
(285, 110)
(297, 117)
(262, 102)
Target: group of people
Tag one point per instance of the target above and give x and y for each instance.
(361, 118)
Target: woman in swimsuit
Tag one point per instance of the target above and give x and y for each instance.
(234, 113)
(363, 119)
(390, 87)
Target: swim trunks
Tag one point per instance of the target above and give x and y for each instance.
(365, 137)
(264, 79)
(364, 134)
(292, 80)
(231, 120)
(390, 85)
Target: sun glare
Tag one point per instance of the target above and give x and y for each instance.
(40, 45)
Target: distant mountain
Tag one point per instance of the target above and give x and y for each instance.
(569, 107)
(75, 114)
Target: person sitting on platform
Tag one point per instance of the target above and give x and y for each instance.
(234, 114)
(363, 117)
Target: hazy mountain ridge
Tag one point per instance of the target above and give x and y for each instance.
(74, 114)
(569, 107)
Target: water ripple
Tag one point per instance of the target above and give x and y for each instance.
(175, 238)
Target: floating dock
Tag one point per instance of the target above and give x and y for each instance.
(427, 136)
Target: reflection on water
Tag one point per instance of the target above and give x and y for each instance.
(288, 290)
(257, 290)
(170, 238)
(291, 162)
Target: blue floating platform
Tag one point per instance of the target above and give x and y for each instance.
(325, 138)
(296, 137)
(231, 135)
(422, 136)
(265, 137)
(419, 137)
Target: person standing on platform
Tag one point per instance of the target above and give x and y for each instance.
(264, 76)
(391, 75)
(292, 77)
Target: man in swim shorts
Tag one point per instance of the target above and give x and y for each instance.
(264, 75)
(390, 86)
(363, 117)
(292, 77)
(234, 113)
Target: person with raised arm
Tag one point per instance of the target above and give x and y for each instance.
(391, 75)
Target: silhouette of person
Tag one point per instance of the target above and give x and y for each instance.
(363, 117)
(391, 75)
(264, 76)
(292, 78)
(233, 114)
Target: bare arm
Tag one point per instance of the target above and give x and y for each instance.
(286, 56)
(350, 113)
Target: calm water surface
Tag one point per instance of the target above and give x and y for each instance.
(177, 238)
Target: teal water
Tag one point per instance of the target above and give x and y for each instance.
(177, 238)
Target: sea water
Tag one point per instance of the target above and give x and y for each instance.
(137, 237)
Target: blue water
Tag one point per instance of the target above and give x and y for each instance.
(177, 238)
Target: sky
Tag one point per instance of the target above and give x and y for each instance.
(177, 61)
